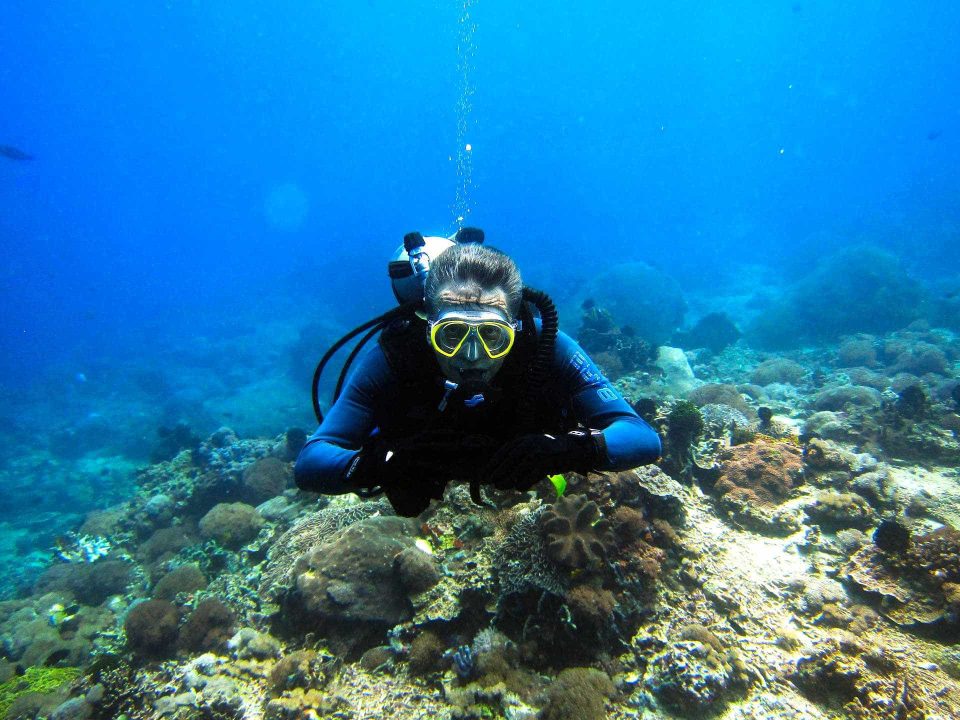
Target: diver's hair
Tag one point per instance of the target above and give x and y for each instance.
(474, 271)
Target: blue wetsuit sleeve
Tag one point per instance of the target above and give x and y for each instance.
(346, 426)
(630, 441)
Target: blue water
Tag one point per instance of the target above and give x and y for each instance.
(210, 178)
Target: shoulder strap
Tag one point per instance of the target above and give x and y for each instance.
(404, 346)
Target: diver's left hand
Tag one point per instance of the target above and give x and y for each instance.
(524, 461)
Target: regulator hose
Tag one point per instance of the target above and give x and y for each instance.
(374, 325)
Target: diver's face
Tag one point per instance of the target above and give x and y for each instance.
(471, 362)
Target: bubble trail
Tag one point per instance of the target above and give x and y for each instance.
(466, 49)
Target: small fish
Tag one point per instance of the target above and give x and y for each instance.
(13, 153)
(934, 134)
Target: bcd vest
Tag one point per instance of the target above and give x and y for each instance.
(414, 406)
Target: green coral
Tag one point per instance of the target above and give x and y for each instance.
(684, 422)
(34, 680)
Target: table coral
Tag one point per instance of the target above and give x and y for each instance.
(915, 581)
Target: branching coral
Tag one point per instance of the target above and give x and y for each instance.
(521, 561)
(34, 680)
(936, 554)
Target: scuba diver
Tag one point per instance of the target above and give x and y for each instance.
(470, 380)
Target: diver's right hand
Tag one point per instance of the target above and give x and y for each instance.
(383, 463)
(437, 453)
(370, 468)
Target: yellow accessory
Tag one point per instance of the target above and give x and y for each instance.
(559, 484)
(448, 336)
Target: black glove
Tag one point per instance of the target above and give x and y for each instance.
(411, 471)
(523, 462)
(412, 497)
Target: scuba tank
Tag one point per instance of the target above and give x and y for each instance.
(408, 272)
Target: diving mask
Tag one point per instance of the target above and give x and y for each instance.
(454, 330)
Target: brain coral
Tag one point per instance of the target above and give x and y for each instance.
(756, 477)
(231, 524)
(152, 628)
(266, 478)
(306, 533)
(353, 577)
(575, 534)
(778, 370)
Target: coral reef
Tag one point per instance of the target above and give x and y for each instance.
(231, 524)
(90, 583)
(417, 570)
(618, 350)
(314, 529)
(654, 314)
(578, 693)
(34, 681)
(152, 628)
(350, 585)
(264, 479)
(837, 511)
(183, 579)
(756, 478)
(867, 684)
(915, 576)
(713, 331)
(778, 370)
(858, 289)
(691, 677)
(208, 627)
(818, 575)
(720, 394)
(575, 534)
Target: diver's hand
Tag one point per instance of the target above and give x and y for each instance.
(434, 454)
(411, 497)
(368, 468)
(523, 462)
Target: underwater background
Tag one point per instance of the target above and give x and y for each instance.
(748, 213)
